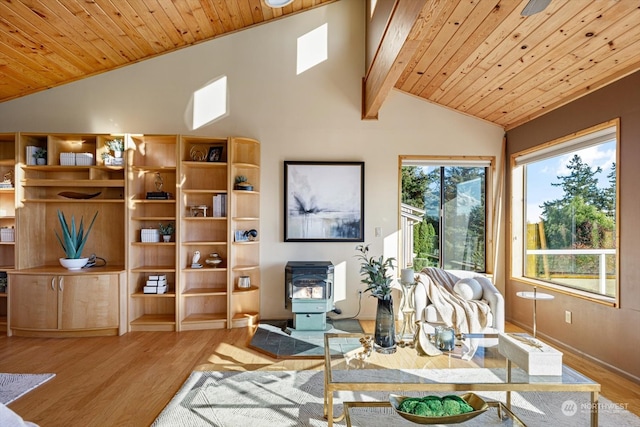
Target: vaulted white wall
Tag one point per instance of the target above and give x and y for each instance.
(311, 116)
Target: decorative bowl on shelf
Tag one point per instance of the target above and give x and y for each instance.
(73, 263)
(477, 403)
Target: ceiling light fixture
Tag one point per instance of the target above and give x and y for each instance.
(277, 3)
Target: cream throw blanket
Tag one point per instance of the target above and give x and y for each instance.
(465, 316)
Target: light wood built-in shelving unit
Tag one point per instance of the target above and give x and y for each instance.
(192, 173)
(105, 300)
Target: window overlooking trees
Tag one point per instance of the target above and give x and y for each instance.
(451, 233)
(567, 218)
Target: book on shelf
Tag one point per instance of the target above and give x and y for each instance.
(220, 205)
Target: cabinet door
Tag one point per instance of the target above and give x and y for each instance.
(89, 302)
(34, 302)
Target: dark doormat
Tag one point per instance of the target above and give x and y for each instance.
(279, 339)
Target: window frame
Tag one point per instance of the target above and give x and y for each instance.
(517, 233)
(489, 162)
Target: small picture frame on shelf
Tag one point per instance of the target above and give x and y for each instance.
(215, 154)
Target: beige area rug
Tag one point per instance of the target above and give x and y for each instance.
(295, 398)
(13, 386)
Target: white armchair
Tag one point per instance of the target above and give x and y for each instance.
(428, 316)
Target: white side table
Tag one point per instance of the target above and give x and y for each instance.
(535, 296)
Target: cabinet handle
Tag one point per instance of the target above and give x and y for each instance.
(53, 283)
(61, 283)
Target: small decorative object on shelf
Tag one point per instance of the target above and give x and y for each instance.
(3, 282)
(198, 210)
(159, 194)
(40, 155)
(242, 183)
(245, 235)
(73, 240)
(214, 260)
(377, 278)
(195, 259)
(166, 231)
(7, 234)
(156, 284)
(244, 282)
(7, 181)
(116, 147)
(149, 235)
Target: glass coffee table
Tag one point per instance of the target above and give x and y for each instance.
(406, 371)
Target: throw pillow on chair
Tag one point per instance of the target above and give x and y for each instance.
(468, 289)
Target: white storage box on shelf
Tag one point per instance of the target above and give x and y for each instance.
(530, 354)
(67, 159)
(7, 235)
(149, 235)
(84, 159)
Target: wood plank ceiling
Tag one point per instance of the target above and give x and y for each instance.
(480, 57)
(483, 58)
(46, 43)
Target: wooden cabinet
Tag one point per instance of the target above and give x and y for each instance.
(151, 199)
(44, 303)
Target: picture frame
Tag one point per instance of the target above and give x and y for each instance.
(323, 201)
(215, 154)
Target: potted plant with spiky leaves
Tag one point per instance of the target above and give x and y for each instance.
(73, 240)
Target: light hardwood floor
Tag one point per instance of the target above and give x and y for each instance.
(127, 381)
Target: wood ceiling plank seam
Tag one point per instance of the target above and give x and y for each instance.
(114, 18)
(178, 17)
(223, 13)
(64, 23)
(21, 76)
(234, 14)
(455, 50)
(25, 35)
(26, 71)
(458, 63)
(625, 70)
(206, 29)
(78, 25)
(257, 13)
(12, 40)
(155, 11)
(622, 59)
(433, 16)
(245, 12)
(503, 67)
(554, 62)
(502, 47)
(138, 11)
(213, 17)
(72, 63)
(136, 27)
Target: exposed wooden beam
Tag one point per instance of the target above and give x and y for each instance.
(396, 48)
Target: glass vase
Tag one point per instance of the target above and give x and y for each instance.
(384, 340)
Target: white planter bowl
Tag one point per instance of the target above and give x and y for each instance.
(73, 263)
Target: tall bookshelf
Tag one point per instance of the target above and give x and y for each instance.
(245, 246)
(204, 230)
(152, 200)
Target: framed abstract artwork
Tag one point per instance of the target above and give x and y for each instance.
(323, 201)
